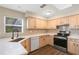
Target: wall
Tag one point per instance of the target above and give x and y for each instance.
(12, 13)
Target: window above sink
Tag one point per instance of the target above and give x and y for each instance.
(13, 24)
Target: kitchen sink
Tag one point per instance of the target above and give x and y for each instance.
(17, 40)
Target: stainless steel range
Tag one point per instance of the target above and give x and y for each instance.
(60, 40)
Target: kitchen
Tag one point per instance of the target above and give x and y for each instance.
(28, 33)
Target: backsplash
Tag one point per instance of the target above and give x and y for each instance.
(74, 31)
(29, 32)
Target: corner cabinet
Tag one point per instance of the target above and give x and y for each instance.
(46, 40)
(26, 44)
(73, 46)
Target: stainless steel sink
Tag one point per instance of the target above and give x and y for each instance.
(17, 40)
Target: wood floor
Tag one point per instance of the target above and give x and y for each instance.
(47, 50)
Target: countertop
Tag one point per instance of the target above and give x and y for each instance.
(34, 35)
(74, 36)
(15, 48)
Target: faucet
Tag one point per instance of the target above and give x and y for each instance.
(13, 35)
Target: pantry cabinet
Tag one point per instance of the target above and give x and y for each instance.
(73, 46)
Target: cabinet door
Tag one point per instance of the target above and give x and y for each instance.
(41, 24)
(52, 24)
(43, 41)
(77, 48)
(72, 21)
(26, 44)
(71, 46)
(34, 43)
(77, 21)
(31, 22)
(50, 40)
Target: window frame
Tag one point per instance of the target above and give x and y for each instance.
(13, 25)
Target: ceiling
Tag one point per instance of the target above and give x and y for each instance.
(34, 9)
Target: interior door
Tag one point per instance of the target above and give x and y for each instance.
(34, 43)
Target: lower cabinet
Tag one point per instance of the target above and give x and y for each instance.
(73, 46)
(26, 44)
(45, 40)
(37, 42)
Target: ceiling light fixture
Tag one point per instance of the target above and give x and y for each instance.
(48, 13)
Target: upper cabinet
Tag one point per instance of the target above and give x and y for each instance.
(41, 24)
(77, 21)
(31, 21)
(72, 21)
(63, 20)
(37, 23)
(52, 24)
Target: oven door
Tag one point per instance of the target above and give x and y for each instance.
(60, 42)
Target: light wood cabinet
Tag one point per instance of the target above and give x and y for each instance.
(72, 21)
(36, 23)
(50, 40)
(46, 40)
(73, 46)
(34, 43)
(52, 24)
(26, 44)
(42, 41)
(41, 24)
(31, 21)
(77, 20)
(64, 20)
